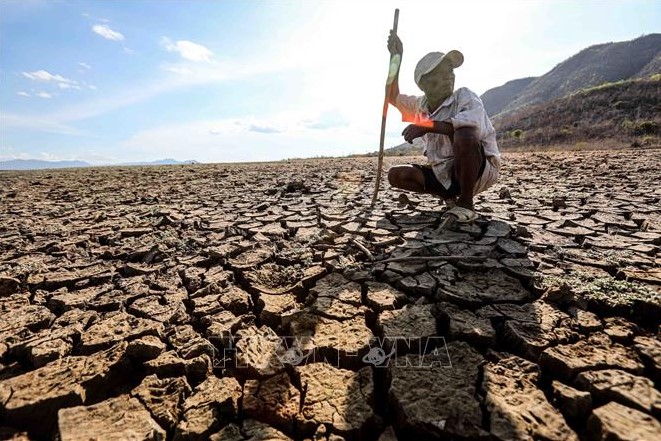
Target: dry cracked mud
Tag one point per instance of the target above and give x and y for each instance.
(269, 301)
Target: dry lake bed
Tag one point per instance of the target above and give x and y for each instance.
(269, 301)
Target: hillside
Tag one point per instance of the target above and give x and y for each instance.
(624, 111)
(599, 64)
(497, 98)
(653, 67)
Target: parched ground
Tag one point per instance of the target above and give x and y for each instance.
(254, 302)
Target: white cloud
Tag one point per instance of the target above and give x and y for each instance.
(328, 120)
(264, 129)
(4, 157)
(46, 77)
(107, 33)
(92, 86)
(84, 65)
(21, 93)
(188, 50)
(190, 73)
(247, 139)
(47, 156)
(179, 70)
(68, 86)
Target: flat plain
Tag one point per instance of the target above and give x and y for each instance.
(270, 301)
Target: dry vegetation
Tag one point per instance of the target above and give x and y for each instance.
(612, 114)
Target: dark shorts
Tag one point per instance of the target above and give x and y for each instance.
(432, 184)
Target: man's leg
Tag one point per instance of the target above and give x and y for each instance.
(467, 162)
(407, 177)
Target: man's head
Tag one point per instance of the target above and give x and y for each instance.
(434, 74)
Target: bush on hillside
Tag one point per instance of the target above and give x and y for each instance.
(616, 112)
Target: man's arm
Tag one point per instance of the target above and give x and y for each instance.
(396, 49)
(413, 131)
(467, 120)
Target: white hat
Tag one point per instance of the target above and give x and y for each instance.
(433, 59)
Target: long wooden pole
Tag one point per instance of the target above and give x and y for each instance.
(394, 67)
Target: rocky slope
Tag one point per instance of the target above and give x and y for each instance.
(496, 99)
(598, 64)
(625, 112)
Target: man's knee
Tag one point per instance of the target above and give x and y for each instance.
(466, 138)
(397, 175)
(466, 143)
(394, 176)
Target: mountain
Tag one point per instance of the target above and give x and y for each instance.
(37, 164)
(497, 98)
(620, 113)
(599, 64)
(651, 68)
(167, 161)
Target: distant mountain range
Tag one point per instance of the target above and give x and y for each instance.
(162, 162)
(38, 164)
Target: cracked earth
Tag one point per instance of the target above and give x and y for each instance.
(255, 302)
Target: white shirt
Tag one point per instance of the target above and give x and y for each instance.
(462, 109)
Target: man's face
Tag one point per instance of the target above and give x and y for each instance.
(439, 83)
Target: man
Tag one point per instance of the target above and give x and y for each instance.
(458, 137)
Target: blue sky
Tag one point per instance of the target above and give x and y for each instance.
(223, 81)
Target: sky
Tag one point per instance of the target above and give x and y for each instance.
(224, 81)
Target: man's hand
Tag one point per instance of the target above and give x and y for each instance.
(395, 46)
(412, 131)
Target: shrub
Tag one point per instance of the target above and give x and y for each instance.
(603, 86)
(640, 127)
(627, 125)
(646, 128)
(647, 140)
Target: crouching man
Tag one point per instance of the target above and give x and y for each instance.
(458, 137)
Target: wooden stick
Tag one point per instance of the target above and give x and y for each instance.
(379, 167)
(433, 258)
(362, 248)
(448, 222)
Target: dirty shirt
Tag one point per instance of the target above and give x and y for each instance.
(462, 109)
